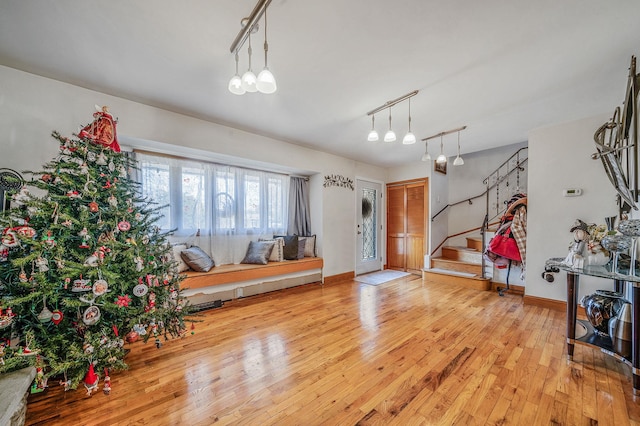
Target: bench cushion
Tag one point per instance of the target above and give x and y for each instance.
(258, 252)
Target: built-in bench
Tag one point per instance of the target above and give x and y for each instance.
(227, 282)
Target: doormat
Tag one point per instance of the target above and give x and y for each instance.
(381, 277)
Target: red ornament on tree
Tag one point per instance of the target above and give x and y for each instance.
(91, 380)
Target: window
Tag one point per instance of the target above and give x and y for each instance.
(213, 198)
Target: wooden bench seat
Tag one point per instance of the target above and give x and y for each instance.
(225, 274)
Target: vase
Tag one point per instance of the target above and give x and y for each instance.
(620, 328)
(597, 256)
(616, 244)
(600, 307)
(631, 228)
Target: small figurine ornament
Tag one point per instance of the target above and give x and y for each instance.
(575, 258)
(106, 387)
(102, 130)
(91, 380)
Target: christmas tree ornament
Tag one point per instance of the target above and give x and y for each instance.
(81, 285)
(90, 187)
(42, 264)
(45, 314)
(25, 231)
(10, 238)
(59, 263)
(91, 315)
(92, 261)
(67, 281)
(84, 169)
(122, 171)
(23, 276)
(57, 316)
(111, 166)
(49, 240)
(139, 263)
(93, 207)
(140, 290)
(113, 201)
(73, 194)
(4, 253)
(124, 226)
(106, 387)
(67, 223)
(123, 301)
(91, 156)
(140, 329)
(102, 159)
(145, 240)
(91, 380)
(100, 287)
(46, 177)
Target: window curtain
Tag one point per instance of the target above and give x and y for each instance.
(217, 207)
(299, 217)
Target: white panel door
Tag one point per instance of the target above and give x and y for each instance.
(368, 226)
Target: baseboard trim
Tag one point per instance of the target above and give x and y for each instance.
(557, 305)
(333, 279)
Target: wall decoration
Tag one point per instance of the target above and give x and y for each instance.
(440, 167)
(338, 180)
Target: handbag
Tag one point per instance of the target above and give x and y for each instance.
(505, 246)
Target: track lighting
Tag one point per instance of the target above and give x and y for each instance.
(441, 158)
(390, 135)
(409, 138)
(235, 84)
(426, 156)
(373, 135)
(458, 161)
(265, 82)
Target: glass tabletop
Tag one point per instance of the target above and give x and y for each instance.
(596, 271)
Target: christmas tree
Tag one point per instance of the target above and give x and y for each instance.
(82, 265)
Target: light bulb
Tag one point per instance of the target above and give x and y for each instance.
(409, 138)
(373, 136)
(249, 81)
(458, 161)
(390, 136)
(266, 81)
(441, 159)
(235, 85)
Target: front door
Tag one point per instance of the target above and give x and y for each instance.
(368, 227)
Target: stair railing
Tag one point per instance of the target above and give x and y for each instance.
(514, 164)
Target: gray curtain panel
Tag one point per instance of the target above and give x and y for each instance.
(299, 217)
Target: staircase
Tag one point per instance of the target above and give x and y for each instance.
(459, 266)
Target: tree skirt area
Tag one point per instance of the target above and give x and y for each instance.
(381, 277)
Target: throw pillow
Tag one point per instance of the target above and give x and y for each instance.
(176, 250)
(258, 252)
(290, 246)
(197, 259)
(301, 245)
(310, 246)
(277, 254)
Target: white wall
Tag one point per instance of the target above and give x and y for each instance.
(559, 157)
(31, 107)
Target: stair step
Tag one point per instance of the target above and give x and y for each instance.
(455, 278)
(474, 243)
(463, 254)
(456, 265)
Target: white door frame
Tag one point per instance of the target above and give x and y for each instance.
(363, 267)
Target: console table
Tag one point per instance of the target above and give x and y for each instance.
(592, 338)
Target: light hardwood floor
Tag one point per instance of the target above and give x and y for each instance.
(401, 353)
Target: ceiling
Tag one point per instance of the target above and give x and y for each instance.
(502, 68)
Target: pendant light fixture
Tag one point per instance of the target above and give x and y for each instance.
(426, 156)
(373, 135)
(441, 158)
(458, 161)
(266, 80)
(235, 84)
(249, 78)
(409, 138)
(390, 136)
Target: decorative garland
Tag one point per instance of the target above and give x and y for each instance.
(338, 180)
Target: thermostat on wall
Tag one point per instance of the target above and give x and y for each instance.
(572, 192)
